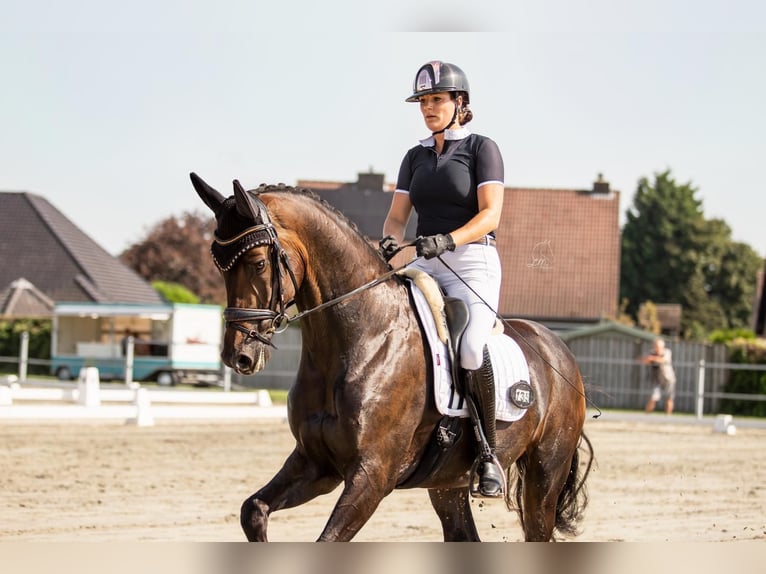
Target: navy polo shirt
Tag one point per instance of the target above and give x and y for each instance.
(442, 189)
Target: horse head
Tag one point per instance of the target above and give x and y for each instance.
(248, 253)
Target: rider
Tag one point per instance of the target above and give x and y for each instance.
(454, 180)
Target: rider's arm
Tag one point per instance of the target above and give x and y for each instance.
(487, 219)
(398, 216)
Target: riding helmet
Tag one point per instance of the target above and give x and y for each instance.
(438, 76)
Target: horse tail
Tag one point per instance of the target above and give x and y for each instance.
(573, 499)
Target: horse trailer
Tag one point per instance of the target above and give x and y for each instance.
(171, 343)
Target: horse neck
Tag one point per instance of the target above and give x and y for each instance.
(337, 260)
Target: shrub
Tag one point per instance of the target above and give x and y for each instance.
(174, 292)
(750, 352)
(39, 342)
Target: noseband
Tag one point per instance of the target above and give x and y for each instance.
(226, 253)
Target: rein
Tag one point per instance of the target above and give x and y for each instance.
(369, 285)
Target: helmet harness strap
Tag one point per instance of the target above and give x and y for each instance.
(452, 121)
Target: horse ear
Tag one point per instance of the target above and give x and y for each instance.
(212, 198)
(247, 206)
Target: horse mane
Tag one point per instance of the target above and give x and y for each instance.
(328, 207)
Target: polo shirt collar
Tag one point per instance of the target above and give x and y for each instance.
(458, 134)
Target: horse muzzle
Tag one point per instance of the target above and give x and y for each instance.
(246, 350)
(247, 358)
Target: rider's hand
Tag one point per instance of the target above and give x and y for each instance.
(388, 247)
(434, 245)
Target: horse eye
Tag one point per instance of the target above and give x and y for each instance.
(257, 267)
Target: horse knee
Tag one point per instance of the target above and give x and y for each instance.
(253, 516)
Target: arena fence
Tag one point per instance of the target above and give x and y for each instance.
(614, 375)
(87, 399)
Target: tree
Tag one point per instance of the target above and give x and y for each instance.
(39, 342)
(732, 282)
(647, 317)
(177, 250)
(672, 254)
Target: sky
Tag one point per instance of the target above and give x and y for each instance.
(105, 107)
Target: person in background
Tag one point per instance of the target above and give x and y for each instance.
(454, 180)
(663, 376)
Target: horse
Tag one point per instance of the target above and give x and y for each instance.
(360, 408)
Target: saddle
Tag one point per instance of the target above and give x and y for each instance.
(444, 320)
(456, 313)
(450, 313)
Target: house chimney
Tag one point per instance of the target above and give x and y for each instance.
(370, 181)
(600, 185)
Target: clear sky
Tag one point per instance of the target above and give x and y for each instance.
(105, 107)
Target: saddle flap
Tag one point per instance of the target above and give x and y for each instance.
(457, 320)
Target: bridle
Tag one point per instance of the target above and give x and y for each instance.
(226, 253)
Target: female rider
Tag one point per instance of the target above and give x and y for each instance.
(454, 180)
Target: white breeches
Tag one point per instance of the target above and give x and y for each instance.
(479, 267)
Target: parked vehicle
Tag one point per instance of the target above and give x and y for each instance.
(172, 343)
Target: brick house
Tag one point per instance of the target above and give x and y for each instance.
(560, 248)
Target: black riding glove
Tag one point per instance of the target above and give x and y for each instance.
(434, 245)
(388, 247)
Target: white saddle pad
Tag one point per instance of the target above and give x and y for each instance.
(508, 364)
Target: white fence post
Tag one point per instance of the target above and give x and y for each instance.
(700, 389)
(24, 356)
(88, 387)
(129, 354)
(6, 398)
(226, 378)
(143, 416)
(264, 398)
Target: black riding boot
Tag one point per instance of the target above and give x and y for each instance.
(480, 385)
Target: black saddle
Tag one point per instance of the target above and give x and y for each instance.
(457, 315)
(449, 430)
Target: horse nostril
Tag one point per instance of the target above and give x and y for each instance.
(244, 363)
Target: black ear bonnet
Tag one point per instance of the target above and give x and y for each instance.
(243, 224)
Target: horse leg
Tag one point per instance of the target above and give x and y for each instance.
(453, 506)
(544, 476)
(365, 487)
(297, 482)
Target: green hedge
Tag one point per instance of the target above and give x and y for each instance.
(746, 382)
(39, 343)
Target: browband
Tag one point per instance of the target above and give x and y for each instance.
(226, 252)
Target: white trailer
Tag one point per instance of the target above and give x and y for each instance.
(172, 343)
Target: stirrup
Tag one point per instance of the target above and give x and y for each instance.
(475, 486)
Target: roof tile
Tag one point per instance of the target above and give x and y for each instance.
(40, 244)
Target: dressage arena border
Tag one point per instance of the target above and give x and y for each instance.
(133, 404)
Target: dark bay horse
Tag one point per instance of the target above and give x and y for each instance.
(361, 410)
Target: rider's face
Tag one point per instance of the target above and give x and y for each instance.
(437, 110)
